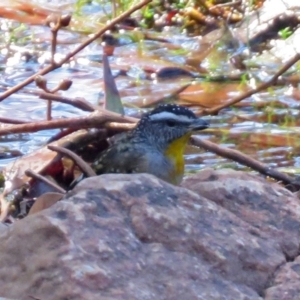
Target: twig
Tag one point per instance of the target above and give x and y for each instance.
(77, 102)
(49, 110)
(12, 121)
(61, 134)
(263, 86)
(82, 165)
(56, 65)
(244, 160)
(120, 127)
(95, 120)
(42, 178)
(54, 31)
(55, 26)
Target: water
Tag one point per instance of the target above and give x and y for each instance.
(264, 126)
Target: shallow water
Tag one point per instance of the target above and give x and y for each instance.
(266, 125)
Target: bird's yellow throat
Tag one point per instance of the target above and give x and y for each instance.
(175, 153)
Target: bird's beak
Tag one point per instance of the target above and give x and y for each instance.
(199, 124)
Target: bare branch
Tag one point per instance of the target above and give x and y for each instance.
(263, 86)
(42, 178)
(244, 160)
(82, 165)
(56, 65)
(76, 102)
(99, 118)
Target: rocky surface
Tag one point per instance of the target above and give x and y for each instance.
(223, 235)
(266, 206)
(285, 284)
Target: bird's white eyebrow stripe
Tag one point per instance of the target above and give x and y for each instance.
(165, 115)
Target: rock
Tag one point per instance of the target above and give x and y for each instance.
(266, 206)
(286, 282)
(136, 237)
(288, 291)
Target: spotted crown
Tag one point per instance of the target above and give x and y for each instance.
(173, 108)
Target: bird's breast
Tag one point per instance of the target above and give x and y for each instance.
(175, 153)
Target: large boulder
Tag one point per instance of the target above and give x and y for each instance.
(224, 235)
(266, 206)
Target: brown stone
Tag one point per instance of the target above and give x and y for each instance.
(286, 282)
(137, 237)
(266, 206)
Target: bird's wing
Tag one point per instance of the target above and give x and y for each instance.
(121, 158)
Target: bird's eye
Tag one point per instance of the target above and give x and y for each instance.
(171, 123)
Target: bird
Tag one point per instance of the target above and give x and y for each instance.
(155, 146)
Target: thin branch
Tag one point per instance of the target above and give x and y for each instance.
(263, 86)
(82, 165)
(12, 121)
(45, 180)
(54, 31)
(76, 102)
(99, 118)
(75, 51)
(244, 160)
(49, 110)
(120, 127)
